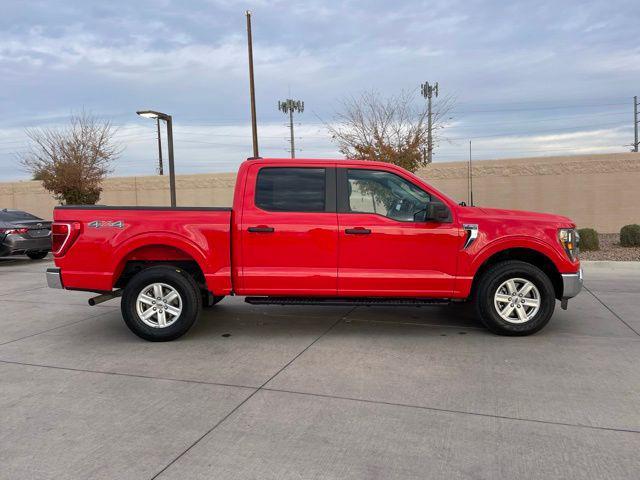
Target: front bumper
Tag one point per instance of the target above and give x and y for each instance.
(54, 279)
(571, 284)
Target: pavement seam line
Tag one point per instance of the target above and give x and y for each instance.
(120, 374)
(445, 410)
(237, 407)
(614, 313)
(61, 304)
(22, 291)
(54, 328)
(411, 324)
(6, 270)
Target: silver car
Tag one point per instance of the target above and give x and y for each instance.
(24, 234)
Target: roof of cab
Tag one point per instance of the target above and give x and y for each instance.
(346, 161)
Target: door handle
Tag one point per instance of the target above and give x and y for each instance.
(357, 231)
(261, 229)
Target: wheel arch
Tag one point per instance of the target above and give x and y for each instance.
(527, 254)
(141, 253)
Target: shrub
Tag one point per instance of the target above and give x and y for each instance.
(588, 239)
(630, 235)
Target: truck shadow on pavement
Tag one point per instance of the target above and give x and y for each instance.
(22, 261)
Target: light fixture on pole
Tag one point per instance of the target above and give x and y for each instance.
(289, 106)
(167, 118)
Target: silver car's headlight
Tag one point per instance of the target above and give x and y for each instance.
(570, 241)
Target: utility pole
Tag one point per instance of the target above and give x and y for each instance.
(470, 177)
(252, 89)
(635, 124)
(160, 167)
(289, 106)
(427, 92)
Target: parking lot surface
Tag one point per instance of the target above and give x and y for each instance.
(276, 392)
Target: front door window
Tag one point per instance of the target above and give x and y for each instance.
(386, 194)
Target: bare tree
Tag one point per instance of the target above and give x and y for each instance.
(391, 130)
(72, 161)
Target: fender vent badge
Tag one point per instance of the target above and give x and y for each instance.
(472, 234)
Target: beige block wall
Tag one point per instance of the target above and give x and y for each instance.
(600, 191)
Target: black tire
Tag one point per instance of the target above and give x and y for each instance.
(37, 255)
(491, 281)
(176, 278)
(210, 300)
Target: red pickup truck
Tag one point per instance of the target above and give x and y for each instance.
(333, 232)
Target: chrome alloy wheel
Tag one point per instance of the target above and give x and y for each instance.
(517, 300)
(159, 305)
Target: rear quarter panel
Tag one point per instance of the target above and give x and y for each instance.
(96, 259)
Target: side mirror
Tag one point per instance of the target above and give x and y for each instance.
(437, 212)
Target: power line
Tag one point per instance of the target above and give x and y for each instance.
(542, 132)
(557, 107)
(547, 119)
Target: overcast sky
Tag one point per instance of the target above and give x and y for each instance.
(529, 78)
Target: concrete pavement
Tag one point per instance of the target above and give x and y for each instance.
(318, 392)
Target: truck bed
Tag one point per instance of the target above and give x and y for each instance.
(110, 237)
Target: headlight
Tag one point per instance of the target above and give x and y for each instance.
(569, 239)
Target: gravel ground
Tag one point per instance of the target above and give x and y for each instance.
(610, 249)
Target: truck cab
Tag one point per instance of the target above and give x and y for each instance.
(321, 232)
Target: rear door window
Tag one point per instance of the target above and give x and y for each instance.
(291, 189)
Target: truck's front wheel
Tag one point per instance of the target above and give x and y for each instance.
(161, 303)
(515, 298)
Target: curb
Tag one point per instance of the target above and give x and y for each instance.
(610, 264)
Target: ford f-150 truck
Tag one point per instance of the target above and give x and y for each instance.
(333, 232)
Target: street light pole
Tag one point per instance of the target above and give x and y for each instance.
(172, 173)
(160, 166)
(168, 120)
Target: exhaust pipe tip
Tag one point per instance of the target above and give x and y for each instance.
(105, 297)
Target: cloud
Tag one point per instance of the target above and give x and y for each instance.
(189, 58)
(139, 58)
(621, 61)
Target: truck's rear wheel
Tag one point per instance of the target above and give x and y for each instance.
(515, 298)
(161, 303)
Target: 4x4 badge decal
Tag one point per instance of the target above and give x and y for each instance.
(106, 223)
